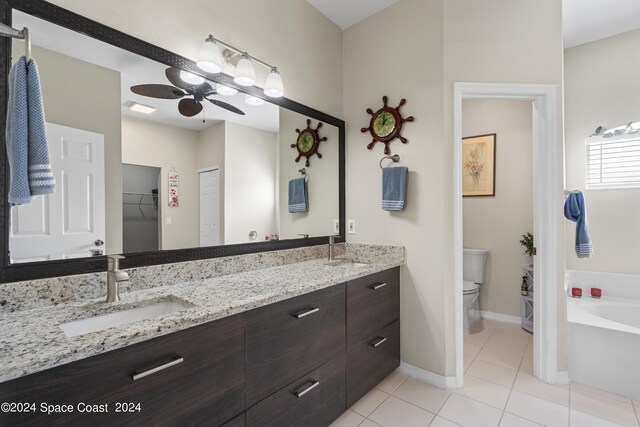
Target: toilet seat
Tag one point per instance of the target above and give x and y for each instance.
(468, 287)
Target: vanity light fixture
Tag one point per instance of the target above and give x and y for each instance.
(253, 100)
(141, 108)
(210, 60)
(191, 78)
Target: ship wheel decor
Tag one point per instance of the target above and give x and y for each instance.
(386, 124)
(308, 142)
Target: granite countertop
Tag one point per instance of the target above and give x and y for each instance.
(32, 340)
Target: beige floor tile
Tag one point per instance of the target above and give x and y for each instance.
(510, 420)
(369, 423)
(586, 389)
(527, 366)
(389, 384)
(489, 324)
(369, 402)
(485, 391)
(471, 350)
(479, 338)
(441, 422)
(602, 406)
(528, 353)
(533, 386)
(515, 328)
(490, 372)
(422, 394)
(467, 361)
(580, 419)
(508, 343)
(348, 419)
(636, 403)
(469, 412)
(394, 412)
(538, 410)
(500, 358)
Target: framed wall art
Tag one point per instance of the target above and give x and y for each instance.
(479, 165)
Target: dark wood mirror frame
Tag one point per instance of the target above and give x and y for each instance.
(67, 19)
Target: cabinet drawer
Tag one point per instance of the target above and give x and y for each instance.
(287, 339)
(370, 361)
(316, 399)
(205, 388)
(372, 303)
(236, 422)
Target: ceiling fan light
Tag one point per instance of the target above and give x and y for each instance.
(273, 85)
(226, 90)
(245, 73)
(191, 78)
(209, 57)
(253, 100)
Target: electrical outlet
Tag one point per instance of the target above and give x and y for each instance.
(168, 220)
(351, 226)
(336, 226)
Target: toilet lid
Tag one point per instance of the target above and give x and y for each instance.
(468, 287)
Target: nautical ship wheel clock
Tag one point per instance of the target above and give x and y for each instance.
(308, 142)
(386, 124)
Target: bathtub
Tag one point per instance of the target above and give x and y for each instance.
(603, 343)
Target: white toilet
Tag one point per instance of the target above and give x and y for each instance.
(474, 263)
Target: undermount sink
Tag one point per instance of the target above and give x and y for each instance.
(346, 263)
(99, 323)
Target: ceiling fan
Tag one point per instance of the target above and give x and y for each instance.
(188, 107)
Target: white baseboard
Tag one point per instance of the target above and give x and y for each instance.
(499, 317)
(429, 377)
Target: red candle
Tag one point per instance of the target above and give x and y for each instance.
(596, 292)
(576, 292)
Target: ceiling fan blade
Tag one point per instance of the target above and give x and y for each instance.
(189, 107)
(226, 106)
(173, 75)
(158, 91)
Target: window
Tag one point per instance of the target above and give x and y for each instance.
(613, 162)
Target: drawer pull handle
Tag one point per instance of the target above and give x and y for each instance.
(307, 389)
(138, 375)
(378, 286)
(378, 342)
(305, 313)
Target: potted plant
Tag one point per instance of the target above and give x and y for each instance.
(527, 244)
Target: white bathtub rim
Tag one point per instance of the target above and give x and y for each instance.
(577, 312)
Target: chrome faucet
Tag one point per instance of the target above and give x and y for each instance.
(114, 277)
(332, 244)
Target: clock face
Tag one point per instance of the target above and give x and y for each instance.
(384, 123)
(305, 141)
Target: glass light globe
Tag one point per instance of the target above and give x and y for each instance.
(245, 73)
(273, 86)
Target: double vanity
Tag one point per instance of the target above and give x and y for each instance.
(293, 344)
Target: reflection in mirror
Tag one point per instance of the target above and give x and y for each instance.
(168, 164)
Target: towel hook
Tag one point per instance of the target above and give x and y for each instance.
(395, 159)
(303, 171)
(8, 31)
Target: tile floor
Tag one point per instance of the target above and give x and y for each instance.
(500, 390)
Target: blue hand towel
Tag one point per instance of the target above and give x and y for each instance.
(298, 200)
(575, 210)
(41, 180)
(394, 188)
(26, 139)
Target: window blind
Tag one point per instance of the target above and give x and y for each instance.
(613, 163)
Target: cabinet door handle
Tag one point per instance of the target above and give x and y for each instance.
(136, 375)
(307, 389)
(305, 313)
(377, 286)
(378, 342)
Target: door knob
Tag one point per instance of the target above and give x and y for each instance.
(98, 242)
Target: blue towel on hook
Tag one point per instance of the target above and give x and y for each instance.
(27, 149)
(394, 188)
(575, 210)
(298, 199)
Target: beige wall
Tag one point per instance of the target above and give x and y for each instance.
(291, 34)
(211, 153)
(323, 188)
(497, 223)
(85, 96)
(250, 183)
(601, 88)
(149, 143)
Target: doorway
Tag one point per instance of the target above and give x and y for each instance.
(209, 180)
(547, 197)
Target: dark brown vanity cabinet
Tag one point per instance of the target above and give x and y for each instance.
(300, 362)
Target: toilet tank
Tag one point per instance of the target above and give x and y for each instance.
(474, 264)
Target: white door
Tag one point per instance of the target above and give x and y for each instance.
(67, 223)
(210, 207)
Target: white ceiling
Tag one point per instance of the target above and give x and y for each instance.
(585, 21)
(345, 13)
(135, 70)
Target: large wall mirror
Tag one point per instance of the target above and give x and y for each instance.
(153, 165)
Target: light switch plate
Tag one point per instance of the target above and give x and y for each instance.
(168, 220)
(351, 226)
(336, 226)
